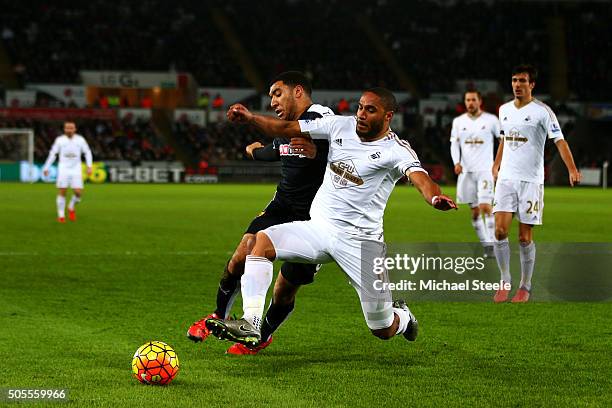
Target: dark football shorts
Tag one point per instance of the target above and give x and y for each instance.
(278, 213)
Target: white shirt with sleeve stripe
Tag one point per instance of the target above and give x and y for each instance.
(525, 132)
(69, 150)
(360, 176)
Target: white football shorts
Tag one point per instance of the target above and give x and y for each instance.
(523, 198)
(318, 242)
(69, 180)
(475, 187)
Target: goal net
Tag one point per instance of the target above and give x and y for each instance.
(16, 149)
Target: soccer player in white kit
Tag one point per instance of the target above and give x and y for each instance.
(365, 160)
(472, 142)
(69, 147)
(519, 169)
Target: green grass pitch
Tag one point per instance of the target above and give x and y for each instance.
(143, 262)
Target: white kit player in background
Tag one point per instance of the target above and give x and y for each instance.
(365, 161)
(472, 143)
(519, 169)
(69, 147)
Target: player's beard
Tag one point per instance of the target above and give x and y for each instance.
(374, 129)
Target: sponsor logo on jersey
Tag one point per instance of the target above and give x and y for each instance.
(505, 118)
(514, 140)
(338, 142)
(70, 155)
(483, 127)
(528, 118)
(474, 141)
(286, 150)
(345, 174)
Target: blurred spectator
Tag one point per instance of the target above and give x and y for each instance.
(218, 102)
(203, 101)
(343, 106)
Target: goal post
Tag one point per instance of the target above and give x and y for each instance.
(16, 146)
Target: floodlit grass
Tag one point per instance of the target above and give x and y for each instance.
(142, 263)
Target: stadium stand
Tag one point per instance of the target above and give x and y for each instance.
(50, 42)
(134, 141)
(473, 39)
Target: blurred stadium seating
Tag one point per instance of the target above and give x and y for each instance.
(433, 44)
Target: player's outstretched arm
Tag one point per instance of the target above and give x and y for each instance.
(568, 159)
(259, 152)
(431, 191)
(269, 125)
(498, 159)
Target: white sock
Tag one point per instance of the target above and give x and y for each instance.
(73, 201)
(502, 254)
(489, 221)
(528, 253)
(481, 230)
(254, 286)
(404, 319)
(61, 206)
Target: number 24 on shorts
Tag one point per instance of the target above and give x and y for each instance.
(534, 207)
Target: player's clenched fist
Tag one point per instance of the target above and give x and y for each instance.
(238, 113)
(443, 203)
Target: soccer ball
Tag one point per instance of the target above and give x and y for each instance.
(155, 362)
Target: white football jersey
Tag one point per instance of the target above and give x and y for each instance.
(359, 176)
(475, 137)
(525, 131)
(69, 150)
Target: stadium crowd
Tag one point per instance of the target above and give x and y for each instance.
(474, 39)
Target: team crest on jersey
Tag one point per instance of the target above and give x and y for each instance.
(514, 140)
(345, 174)
(286, 150)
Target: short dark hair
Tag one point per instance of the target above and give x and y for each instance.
(476, 91)
(293, 78)
(526, 68)
(386, 97)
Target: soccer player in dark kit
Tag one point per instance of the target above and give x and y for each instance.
(301, 175)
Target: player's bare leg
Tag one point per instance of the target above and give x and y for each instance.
(228, 288)
(76, 198)
(527, 254)
(502, 252)
(60, 201)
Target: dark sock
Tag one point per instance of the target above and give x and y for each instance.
(275, 316)
(226, 293)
